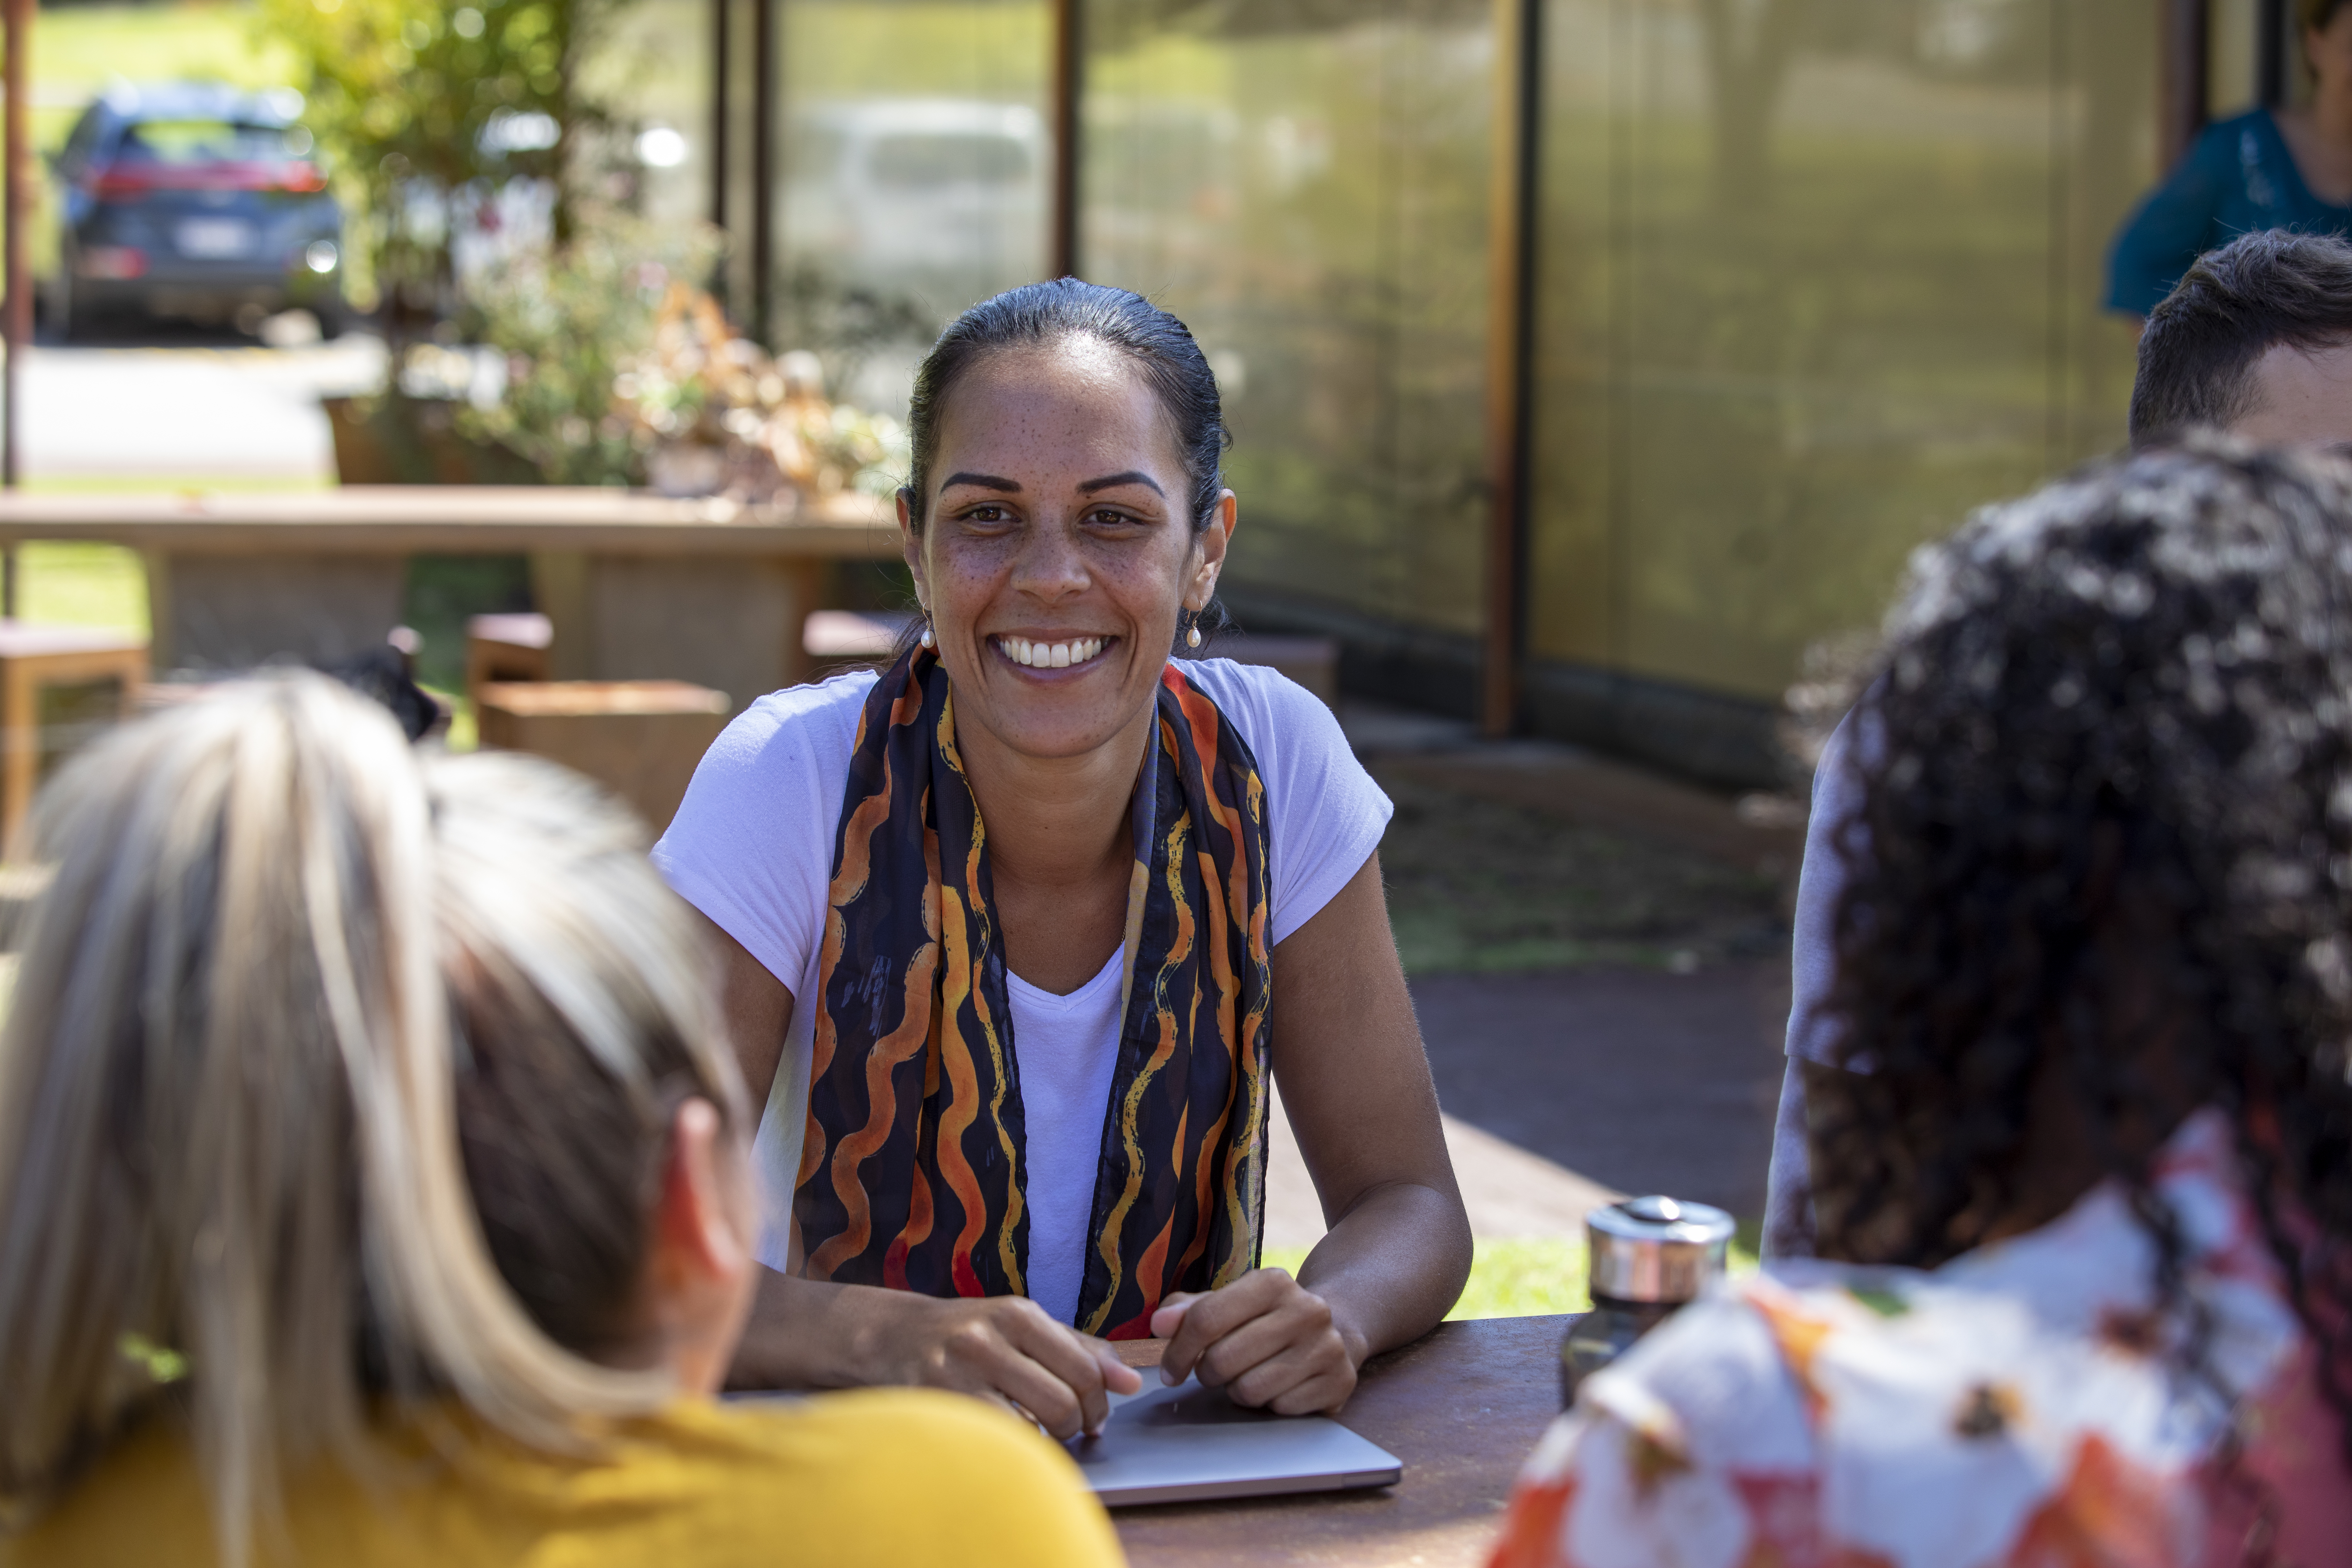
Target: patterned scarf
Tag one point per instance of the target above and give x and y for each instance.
(912, 1170)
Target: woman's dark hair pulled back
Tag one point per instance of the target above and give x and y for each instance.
(1040, 314)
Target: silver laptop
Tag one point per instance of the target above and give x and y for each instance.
(1190, 1444)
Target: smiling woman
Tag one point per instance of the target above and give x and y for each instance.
(1007, 925)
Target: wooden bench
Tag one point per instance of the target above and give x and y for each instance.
(57, 685)
(640, 739)
(634, 586)
(507, 647)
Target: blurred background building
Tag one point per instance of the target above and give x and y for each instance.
(1805, 280)
(1588, 361)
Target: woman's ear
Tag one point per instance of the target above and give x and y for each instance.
(1209, 547)
(910, 545)
(699, 1269)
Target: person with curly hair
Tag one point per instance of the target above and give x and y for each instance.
(2085, 1211)
(2255, 342)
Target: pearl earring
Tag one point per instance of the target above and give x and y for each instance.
(928, 639)
(1192, 637)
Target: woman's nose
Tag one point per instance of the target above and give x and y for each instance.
(1051, 565)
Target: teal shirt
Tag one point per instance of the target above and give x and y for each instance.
(2237, 178)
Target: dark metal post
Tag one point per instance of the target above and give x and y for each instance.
(1512, 216)
(2270, 51)
(1068, 109)
(2182, 96)
(764, 132)
(721, 72)
(16, 288)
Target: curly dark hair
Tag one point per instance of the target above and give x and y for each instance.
(2102, 874)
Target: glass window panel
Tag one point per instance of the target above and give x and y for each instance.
(916, 163)
(2232, 72)
(654, 67)
(1305, 183)
(1817, 276)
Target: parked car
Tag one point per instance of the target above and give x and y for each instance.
(196, 201)
(940, 198)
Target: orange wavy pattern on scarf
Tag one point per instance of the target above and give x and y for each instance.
(912, 1168)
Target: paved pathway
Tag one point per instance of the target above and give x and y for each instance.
(200, 411)
(1566, 1088)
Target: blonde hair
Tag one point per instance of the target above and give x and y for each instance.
(277, 948)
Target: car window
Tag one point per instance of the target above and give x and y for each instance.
(186, 142)
(922, 160)
(813, 152)
(84, 139)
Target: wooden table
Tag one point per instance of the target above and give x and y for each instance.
(1463, 1409)
(639, 586)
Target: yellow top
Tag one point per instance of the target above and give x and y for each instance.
(886, 1476)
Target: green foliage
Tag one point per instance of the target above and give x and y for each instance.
(568, 324)
(417, 101)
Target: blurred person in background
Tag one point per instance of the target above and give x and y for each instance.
(1021, 932)
(373, 1190)
(2269, 168)
(2090, 1204)
(2256, 342)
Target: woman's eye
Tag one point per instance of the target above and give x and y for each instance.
(985, 514)
(1107, 517)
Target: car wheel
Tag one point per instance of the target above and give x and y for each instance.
(68, 320)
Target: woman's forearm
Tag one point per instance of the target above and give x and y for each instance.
(809, 1334)
(1392, 1267)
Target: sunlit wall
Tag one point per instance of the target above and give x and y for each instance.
(1304, 182)
(1816, 277)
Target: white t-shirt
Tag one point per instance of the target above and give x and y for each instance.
(751, 846)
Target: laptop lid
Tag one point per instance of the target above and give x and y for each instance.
(1190, 1444)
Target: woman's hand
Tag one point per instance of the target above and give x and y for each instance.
(1006, 1349)
(1266, 1340)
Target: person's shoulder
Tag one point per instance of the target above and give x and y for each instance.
(1266, 706)
(2230, 134)
(897, 1475)
(142, 1488)
(1714, 1384)
(2225, 146)
(786, 744)
(817, 718)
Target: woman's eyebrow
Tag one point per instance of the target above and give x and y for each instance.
(1133, 477)
(985, 481)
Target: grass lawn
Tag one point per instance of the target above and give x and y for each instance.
(78, 584)
(78, 50)
(1525, 1277)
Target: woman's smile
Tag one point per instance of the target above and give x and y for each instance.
(1042, 653)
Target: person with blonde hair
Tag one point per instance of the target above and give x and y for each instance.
(375, 1188)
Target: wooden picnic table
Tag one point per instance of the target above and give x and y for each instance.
(637, 585)
(1462, 1407)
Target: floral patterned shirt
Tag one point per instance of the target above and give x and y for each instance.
(2011, 1409)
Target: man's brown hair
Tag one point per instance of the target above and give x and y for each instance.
(2232, 306)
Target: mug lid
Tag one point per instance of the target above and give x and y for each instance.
(1660, 1219)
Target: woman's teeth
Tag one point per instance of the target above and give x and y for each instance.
(1049, 655)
